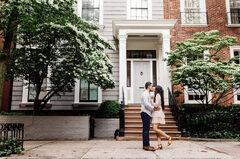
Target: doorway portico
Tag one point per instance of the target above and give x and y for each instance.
(142, 47)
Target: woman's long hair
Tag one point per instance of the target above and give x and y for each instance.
(159, 90)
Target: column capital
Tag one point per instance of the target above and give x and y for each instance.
(166, 36)
(122, 37)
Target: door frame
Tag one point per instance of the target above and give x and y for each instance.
(130, 96)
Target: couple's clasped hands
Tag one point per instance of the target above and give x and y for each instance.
(155, 108)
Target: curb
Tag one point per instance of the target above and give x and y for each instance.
(212, 140)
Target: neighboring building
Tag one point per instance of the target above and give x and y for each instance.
(204, 15)
(142, 31)
(7, 89)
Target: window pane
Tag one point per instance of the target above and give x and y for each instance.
(192, 4)
(144, 3)
(96, 4)
(93, 92)
(237, 53)
(32, 92)
(139, 3)
(90, 10)
(190, 97)
(133, 14)
(235, 3)
(154, 73)
(43, 89)
(133, 3)
(128, 73)
(150, 54)
(84, 90)
(85, 4)
(139, 9)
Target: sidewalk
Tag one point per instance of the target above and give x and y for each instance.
(111, 149)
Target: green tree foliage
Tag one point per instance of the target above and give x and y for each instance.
(204, 73)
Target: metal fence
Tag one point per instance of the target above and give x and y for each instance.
(178, 112)
(201, 124)
(195, 18)
(12, 130)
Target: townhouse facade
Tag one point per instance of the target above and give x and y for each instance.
(142, 32)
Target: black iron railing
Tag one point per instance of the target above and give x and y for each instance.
(120, 132)
(12, 130)
(233, 17)
(178, 113)
(195, 18)
(213, 124)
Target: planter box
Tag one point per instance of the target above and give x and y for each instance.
(105, 127)
(52, 127)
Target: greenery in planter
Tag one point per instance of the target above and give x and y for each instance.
(11, 114)
(108, 109)
(10, 146)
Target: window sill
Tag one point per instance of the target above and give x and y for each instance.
(233, 25)
(30, 105)
(194, 25)
(86, 105)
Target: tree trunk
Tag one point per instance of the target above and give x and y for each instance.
(7, 47)
(3, 70)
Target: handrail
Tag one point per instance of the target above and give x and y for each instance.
(178, 113)
(120, 132)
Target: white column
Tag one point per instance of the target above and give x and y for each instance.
(166, 47)
(122, 67)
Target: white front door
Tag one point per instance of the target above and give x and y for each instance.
(141, 75)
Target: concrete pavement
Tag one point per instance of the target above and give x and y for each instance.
(111, 149)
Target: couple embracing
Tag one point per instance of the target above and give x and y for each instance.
(152, 108)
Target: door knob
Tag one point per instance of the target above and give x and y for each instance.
(141, 87)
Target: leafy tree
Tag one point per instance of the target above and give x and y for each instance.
(203, 73)
(54, 43)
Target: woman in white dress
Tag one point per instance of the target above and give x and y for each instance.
(158, 116)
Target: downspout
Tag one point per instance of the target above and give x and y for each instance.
(168, 9)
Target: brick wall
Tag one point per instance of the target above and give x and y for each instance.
(217, 20)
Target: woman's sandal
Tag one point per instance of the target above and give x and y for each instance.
(159, 147)
(169, 140)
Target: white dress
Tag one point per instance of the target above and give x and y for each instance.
(158, 116)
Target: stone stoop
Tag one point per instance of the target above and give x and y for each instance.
(133, 125)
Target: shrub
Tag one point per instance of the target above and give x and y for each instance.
(11, 114)
(108, 109)
(214, 122)
(10, 146)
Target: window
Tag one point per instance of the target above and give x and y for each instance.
(139, 9)
(154, 68)
(235, 52)
(235, 11)
(149, 54)
(32, 92)
(28, 93)
(88, 92)
(190, 95)
(128, 73)
(193, 12)
(90, 10)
